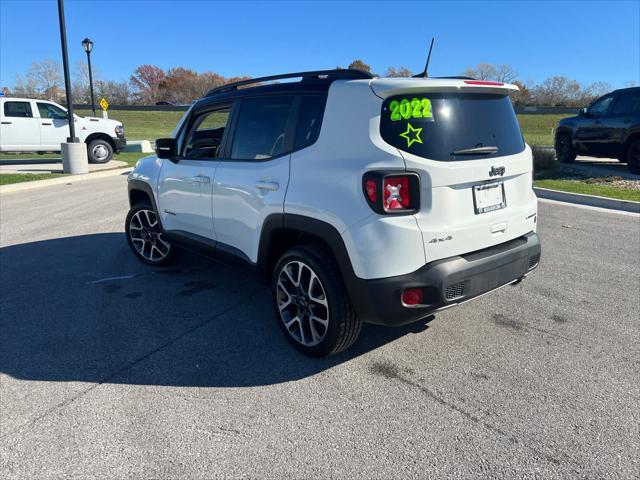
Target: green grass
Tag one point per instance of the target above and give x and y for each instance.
(577, 186)
(143, 125)
(538, 129)
(7, 178)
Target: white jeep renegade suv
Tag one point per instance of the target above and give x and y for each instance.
(360, 199)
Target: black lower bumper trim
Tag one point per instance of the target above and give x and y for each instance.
(120, 143)
(446, 282)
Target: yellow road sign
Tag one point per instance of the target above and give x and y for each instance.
(104, 104)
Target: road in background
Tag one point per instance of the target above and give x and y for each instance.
(110, 368)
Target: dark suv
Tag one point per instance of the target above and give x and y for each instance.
(609, 127)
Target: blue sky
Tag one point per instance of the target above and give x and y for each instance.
(586, 40)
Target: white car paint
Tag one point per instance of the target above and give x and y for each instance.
(40, 133)
(324, 181)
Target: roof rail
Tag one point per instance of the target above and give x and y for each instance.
(336, 74)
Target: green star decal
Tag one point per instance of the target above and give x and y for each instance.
(412, 135)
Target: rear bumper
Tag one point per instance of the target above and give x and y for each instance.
(446, 282)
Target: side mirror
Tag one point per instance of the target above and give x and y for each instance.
(166, 148)
(583, 112)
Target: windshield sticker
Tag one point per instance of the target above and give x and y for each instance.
(405, 109)
(411, 135)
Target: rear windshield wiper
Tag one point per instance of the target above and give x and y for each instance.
(476, 151)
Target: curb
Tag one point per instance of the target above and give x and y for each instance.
(590, 200)
(67, 179)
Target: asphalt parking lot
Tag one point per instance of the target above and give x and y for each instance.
(110, 368)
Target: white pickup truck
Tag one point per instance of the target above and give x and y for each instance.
(28, 125)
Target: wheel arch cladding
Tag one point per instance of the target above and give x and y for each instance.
(283, 231)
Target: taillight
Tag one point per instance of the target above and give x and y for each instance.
(396, 193)
(390, 193)
(413, 296)
(371, 188)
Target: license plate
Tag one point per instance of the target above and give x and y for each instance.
(489, 197)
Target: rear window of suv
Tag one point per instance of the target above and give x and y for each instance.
(435, 125)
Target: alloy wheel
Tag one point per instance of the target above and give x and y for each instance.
(302, 303)
(146, 236)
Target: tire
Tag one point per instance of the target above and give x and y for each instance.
(564, 150)
(633, 157)
(306, 285)
(99, 151)
(144, 236)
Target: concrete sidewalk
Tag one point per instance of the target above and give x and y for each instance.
(48, 165)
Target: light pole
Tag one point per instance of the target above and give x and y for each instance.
(88, 46)
(74, 153)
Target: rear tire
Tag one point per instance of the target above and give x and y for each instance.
(564, 149)
(633, 157)
(311, 303)
(145, 236)
(99, 151)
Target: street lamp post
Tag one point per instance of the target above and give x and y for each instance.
(88, 46)
(74, 153)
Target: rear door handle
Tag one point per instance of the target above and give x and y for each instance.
(200, 179)
(43, 123)
(628, 120)
(264, 185)
(6, 123)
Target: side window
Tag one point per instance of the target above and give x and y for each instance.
(51, 111)
(309, 120)
(261, 130)
(18, 109)
(600, 107)
(205, 134)
(627, 103)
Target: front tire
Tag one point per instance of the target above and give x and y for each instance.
(145, 236)
(99, 151)
(633, 157)
(311, 302)
(564, 149)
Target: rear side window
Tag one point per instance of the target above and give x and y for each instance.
(262, 131)
(309, 120)
(442, 126)
(627, 103)
(18, 109)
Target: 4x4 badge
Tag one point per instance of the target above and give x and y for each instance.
(412, 135)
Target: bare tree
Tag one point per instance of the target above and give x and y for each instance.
(482, 71)
(47, 78)
(505, 74)
(146, 80)
(117, 93)
(398, 72)
(360, 65)
(496, 73)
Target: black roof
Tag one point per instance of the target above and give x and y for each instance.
(326, 75)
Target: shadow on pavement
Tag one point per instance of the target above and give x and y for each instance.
(83, 309)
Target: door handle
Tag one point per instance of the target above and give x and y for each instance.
(200, 179)
(6, 123)
(43, 123)
(628, 120)
(597, 122)
(264, 185)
